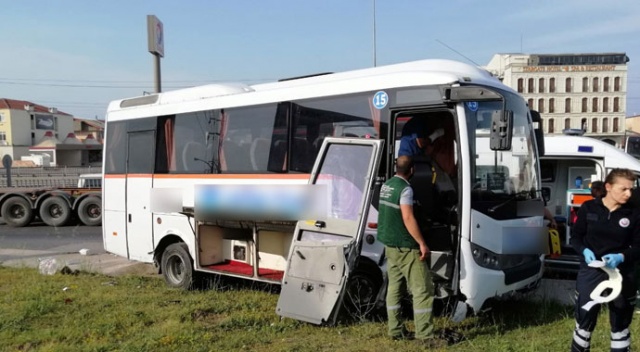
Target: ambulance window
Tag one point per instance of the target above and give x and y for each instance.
(547, 169)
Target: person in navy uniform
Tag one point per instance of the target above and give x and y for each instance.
(608, 229)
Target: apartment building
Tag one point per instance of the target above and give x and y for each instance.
(31, 130)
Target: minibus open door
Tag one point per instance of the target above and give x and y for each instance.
(324, 251)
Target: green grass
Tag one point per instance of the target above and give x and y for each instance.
(129, 313)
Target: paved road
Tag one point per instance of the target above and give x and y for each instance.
(27, 246)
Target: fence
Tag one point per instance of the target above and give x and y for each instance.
(45, 176)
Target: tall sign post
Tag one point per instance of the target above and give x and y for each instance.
(6, 162)
(155, 41)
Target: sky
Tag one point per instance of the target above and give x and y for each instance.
(79, 55)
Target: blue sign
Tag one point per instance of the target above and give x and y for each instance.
(472, 105)
(380, 100)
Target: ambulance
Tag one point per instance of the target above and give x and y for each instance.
(569, 165)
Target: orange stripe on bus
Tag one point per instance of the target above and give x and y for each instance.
(214, 176)
(236, 176)
(139, 175)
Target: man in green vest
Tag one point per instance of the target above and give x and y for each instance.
(406, 253)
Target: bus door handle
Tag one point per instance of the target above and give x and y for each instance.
(129, 216)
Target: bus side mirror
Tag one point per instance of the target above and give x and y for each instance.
(501, 131)
(537, 131)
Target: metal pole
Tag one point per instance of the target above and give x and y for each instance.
(374, 33)
(156, 66)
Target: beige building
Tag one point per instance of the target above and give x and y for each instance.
(36, 132)
(579, 93)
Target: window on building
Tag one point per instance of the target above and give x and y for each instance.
(552, 105)
(540, 105)
(583, 124)
(584, 104)
(520, 85)
(567, 123)
(616, 84)
(594, 105)
(1, 117)
(530, 102)
(3, 138)
(552, 85)
(616, 104)
(541, 85)
(605, 87)
(594, 125)
(595, 84)
(550, 130)
(605, 105)
(605, 125)
(615, 124)
(567, 105)
(585, 84)
(567, 85)
(530, 85)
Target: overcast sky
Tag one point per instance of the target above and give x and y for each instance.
(78, 55)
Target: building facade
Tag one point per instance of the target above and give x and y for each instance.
(32, 131)
(577, 93)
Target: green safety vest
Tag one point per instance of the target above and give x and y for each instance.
(391, 229)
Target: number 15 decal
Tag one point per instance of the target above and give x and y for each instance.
(380, 100)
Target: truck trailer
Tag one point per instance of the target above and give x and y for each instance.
(20, 206)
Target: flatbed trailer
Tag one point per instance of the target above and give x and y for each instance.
(54, 206)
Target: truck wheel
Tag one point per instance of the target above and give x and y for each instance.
(17, 212)
(54, 211)
(361, 292)
(177, 267)
(90, 211)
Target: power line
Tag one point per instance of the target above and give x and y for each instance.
(457, 52)
(76, 81)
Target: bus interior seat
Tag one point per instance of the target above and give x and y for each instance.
(259, 153)
(237, 157)
(315, 146)
(423, 190)
(278, 156)
(300, 154)
(431, 214)
(192, 151)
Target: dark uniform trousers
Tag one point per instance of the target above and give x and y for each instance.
(620, 309)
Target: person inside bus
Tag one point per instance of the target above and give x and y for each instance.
(432, 135)
(433, 186)
(406, 253)
(606, 228)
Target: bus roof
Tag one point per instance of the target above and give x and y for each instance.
(585, 147)
(416, 73)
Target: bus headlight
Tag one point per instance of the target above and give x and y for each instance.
(490, 260)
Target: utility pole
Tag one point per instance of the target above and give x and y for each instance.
(374, 33)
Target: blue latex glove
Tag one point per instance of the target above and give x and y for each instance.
(588, 255)
(613, 260)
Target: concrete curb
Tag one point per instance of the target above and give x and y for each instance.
(107, 264)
